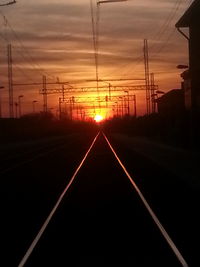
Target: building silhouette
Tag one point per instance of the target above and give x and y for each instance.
(191, 77)
(171, 103)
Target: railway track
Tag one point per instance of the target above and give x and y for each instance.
(30, 185)
(102, 219)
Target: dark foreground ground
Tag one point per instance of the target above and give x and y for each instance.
(101, 221)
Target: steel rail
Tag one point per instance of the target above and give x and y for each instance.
(149, 209)
(164, 233)
(47, 221)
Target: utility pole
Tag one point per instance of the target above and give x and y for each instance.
(146, 67)
(95, 31)
(45, 105)
(34, 102)
(60, 107)
(135, 108)
(77, 111)
(122, 105)
(63, 92)
(0, 107)
(16, 110)
(109, 91)
(153, 93)
(1, 87)
(71, 108)
(19, 104)
(10, 81)
(117, 108)
(128, 106)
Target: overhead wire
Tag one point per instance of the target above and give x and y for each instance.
(163, 29)
(95, 17)
(94, 35)
(26, 55)
(168, 20)
(165, 26)
(15, 65)
(160, 34)
(21, 70)
(97, 37)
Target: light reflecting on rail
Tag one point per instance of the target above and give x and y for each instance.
(44, 226)
(151, 212)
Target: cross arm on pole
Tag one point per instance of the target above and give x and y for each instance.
(9, 3)
(110, 1)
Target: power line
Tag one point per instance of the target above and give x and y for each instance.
(165, 25)
(17, 66)
(95, 35)
(28, 57)
(158, 36)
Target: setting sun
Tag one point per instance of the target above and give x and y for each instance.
(98, 118)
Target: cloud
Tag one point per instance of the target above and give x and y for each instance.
(57, 36)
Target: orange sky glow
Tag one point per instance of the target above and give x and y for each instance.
(54, 38)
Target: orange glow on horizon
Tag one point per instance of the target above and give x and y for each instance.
(83, 100)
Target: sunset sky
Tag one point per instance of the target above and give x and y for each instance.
(55, 38)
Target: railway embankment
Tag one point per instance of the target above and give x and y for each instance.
(181, 162)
